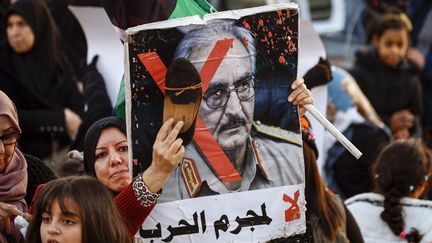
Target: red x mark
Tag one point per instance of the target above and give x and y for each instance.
(203, 138)
(293, 212)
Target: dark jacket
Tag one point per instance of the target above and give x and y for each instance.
(4, 5)
(72, 39)
(389, 89)
(40, 122)
(39, 82)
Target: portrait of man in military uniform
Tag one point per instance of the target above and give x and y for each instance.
(262, 155)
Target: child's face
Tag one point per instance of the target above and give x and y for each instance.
(61, 227)
(392, 46)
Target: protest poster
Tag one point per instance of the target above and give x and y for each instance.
(242, 176)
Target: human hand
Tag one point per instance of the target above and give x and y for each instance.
(7, 213)
(300, 95)
(416, 57)
(167, 153)
(28, 217)
(73, 122)
(85, 68)
(402, 119)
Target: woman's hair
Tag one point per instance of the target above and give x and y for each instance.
(399, 169)
(92, 137)
(101, 221)
(38, 173)
(319, 201)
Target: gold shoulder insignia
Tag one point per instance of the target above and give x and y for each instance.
(259, 157)
(190, 177)
(279, 133)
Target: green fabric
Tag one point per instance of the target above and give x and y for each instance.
(183, 8)
(121, 101)
(190, 8)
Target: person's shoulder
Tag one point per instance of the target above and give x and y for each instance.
(363, 64)
(263, 131)
(416, 203)
(365, 206)
(370, 197)
(418, 214)
(363, 57)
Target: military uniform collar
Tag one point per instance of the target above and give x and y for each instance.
(204, 173)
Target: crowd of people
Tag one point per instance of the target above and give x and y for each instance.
(64, 148)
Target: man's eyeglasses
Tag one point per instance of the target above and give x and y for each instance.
(10, 138)
(219, 97)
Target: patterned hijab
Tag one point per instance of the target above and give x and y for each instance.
(13, 180)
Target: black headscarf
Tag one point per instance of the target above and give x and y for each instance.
(92, 138)
(73, 40)
(44, 69)
(4, 6)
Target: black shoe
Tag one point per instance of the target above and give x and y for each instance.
(183, 94)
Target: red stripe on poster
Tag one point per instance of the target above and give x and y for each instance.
(216, 156)
(213, 61)
(203, 138)
(155, 67)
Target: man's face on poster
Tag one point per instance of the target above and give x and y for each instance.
(228, 104)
